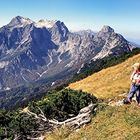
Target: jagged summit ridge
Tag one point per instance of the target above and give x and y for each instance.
(107, 28)
(21, 21)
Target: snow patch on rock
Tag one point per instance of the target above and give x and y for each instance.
(80, 68)
(53, 83)
(3, 64)
(45, 23)
(26, 21)
(7, 88)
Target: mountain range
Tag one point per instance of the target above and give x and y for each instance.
(31, 51)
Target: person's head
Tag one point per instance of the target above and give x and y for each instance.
(136, 66)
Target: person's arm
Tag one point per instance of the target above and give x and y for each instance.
(132, 76)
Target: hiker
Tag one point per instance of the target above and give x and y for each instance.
(135, 87)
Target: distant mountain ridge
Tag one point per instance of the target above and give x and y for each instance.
(136, 44)
(31, 51)
(82, 32)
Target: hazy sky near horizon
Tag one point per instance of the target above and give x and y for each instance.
(122, 15)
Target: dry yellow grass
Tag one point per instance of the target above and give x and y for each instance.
(115, 123)
(108, 82)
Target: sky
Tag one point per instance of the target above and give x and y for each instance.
(122, 15)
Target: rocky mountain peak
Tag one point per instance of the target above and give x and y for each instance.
(107, 29)
(20, 21)
(61, 25)
(59, 32)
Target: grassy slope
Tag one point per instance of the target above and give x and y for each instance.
(112, 123)
(109, 82)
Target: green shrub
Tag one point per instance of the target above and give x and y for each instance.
(59, 104)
